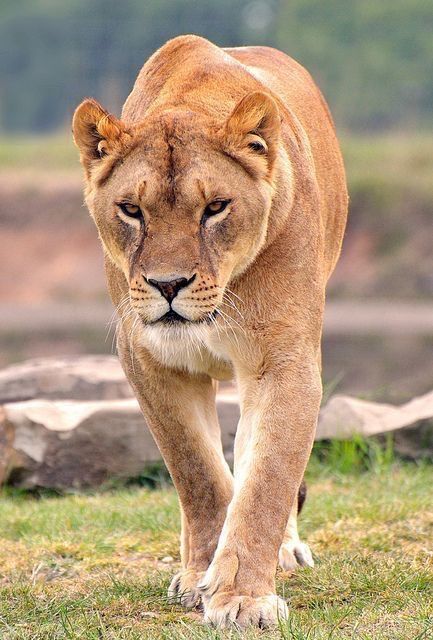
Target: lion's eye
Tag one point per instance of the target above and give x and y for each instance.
(215, 207)
(130, 210)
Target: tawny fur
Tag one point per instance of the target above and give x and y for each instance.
(250, 127)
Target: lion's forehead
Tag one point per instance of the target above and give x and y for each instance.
(175, 159)
(178, 174)
(174, 141)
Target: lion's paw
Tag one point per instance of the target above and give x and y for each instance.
(226, 610)
(183, 588)
(294, 554)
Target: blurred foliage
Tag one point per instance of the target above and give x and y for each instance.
(373, 60)
(356, 454)
(55, 53)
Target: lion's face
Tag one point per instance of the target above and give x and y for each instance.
(181, 203)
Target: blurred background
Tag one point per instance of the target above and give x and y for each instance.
(372, 60)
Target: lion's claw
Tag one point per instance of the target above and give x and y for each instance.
(183, 588)
(228, 610)
(293, 555)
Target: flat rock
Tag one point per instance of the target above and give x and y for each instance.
(71, 444)
(411, 423)
(74, 378)
(344, 416)
(65, 444)
(73, 423)
(7, 432)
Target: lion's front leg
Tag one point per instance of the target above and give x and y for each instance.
(279, 417)
(181, 413)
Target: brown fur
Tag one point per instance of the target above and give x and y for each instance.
(247, 126)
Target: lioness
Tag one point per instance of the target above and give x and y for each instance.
(220, 201)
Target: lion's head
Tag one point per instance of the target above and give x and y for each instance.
(181, 201)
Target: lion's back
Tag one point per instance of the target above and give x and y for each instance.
(295, 87)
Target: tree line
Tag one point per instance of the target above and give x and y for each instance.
(372, 59)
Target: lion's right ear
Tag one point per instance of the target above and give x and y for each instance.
(252, 132)
(96, 133)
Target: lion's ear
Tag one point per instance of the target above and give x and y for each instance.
(252, 132)
(96, 132)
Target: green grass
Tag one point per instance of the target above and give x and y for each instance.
(95, 565)
(398, 159)
(38, 152)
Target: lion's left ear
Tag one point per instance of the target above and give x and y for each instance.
(96, 133)
(252, 132)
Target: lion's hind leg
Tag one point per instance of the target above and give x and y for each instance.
(293, 552)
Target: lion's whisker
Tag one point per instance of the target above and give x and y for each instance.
(124, 300)
(131, 341)
(230, 303)
(215, 324)
(234, 294)
(226, 323)
(232, 319)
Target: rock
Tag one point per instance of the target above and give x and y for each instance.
(344, 416)
(415, 442)
(6, 445)
(228, 415)
(63, 444)
(72, 444)
(85, 427)
(167, 559)
(75, 378)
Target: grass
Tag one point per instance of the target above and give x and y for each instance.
(97, 565)
(38, 152)
(395, 157)
(398, 159)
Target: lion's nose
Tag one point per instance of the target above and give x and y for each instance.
(170, 288)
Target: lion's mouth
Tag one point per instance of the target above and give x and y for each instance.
(172, 317)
